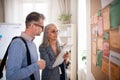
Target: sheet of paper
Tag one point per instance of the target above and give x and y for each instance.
(100, 43)
(100, 26)
(106, 49)
(96, 18)
(94, 59)
(105, 66)
(59, 58)
(94, 48)
(106, 18)
(99, 58)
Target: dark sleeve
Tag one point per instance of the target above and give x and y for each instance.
(63, 76)
(44, 55)
(67, 64)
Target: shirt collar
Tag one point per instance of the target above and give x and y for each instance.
(27, 37)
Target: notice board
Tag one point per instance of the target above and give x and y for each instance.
(105, 37)
(7, 32)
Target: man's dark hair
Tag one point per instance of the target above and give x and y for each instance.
(33, 16)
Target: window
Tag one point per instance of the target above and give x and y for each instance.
(41, 7)
(21, 8)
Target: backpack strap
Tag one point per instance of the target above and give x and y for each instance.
(28, 57)
(3, 62)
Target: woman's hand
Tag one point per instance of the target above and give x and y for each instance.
(66, 57)
(64, 44)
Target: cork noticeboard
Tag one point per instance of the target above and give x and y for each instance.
(97, 31)
(103, 39)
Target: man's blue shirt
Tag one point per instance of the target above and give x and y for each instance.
(17, 68)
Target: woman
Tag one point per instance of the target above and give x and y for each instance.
(49, 50)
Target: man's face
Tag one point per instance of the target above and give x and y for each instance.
(39, 26)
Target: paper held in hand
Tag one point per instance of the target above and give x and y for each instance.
(60, 58)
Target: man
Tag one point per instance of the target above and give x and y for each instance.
(17, 68)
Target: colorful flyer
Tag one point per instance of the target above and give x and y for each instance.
(99, 58)
(106, 18)
(100, 26)
(96, 18)
(94, 59)
(100, 43)
(106, 49)
(105, 66)
(94, 48)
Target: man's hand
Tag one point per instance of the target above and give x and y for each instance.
(42, 64)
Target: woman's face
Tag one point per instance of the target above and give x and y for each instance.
(53, 33)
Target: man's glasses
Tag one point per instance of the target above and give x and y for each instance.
(39, 25)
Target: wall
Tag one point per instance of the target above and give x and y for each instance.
(54, 11)
(84, 21)
(74, 8)
(1, 11)
(88, 11)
